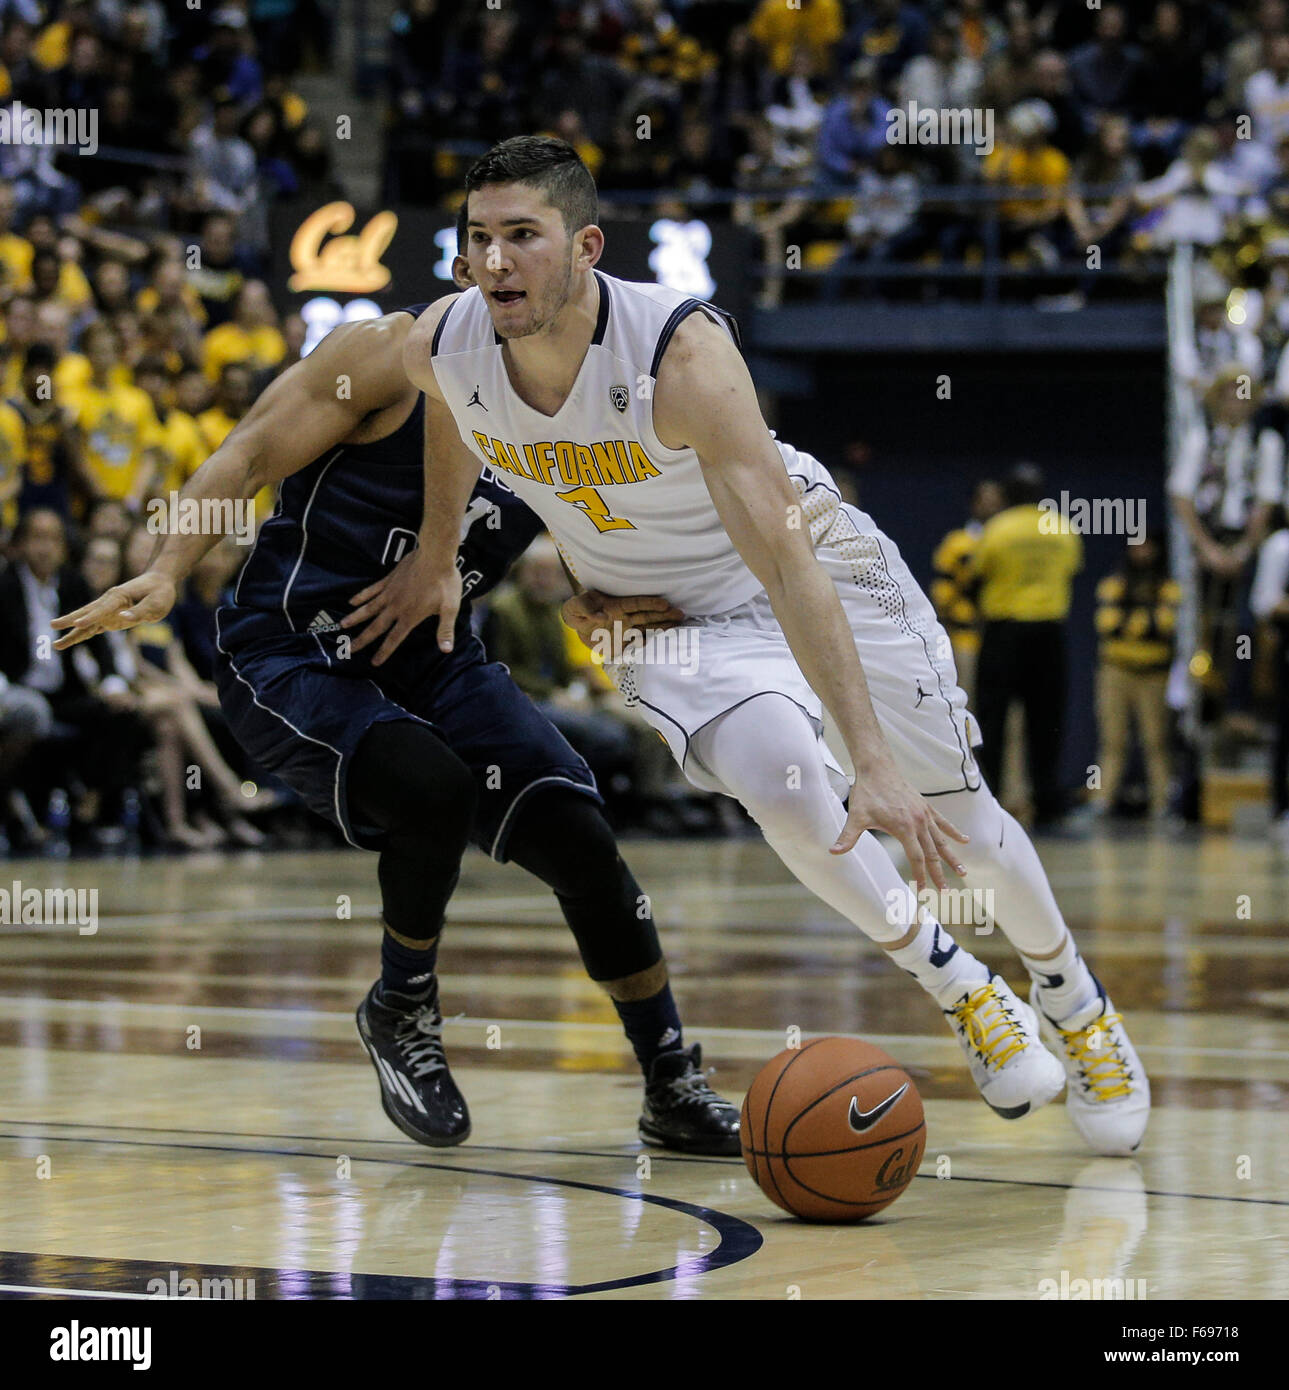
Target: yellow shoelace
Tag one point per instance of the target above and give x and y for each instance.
(997, 1034)
(1105, 1071)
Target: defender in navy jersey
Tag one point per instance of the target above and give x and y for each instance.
(413, 752)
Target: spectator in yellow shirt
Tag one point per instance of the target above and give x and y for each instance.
(15, 251)
(111, 288)
(250, 336)
(63, 282)
(953, 589)
(192, 391)
(1025, 160)
(119, 427)
(814, 27)
(19, 334)
(54, 327)
(13, 452)
(54, 476)
(234, 396)
(169, 289)
(179, 437)
(1024, 564)
(1136, 623)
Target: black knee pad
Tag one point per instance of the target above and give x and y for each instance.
(563, 838)
(406, 780)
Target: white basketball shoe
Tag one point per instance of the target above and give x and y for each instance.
(1108, 1096)
(999, 1033)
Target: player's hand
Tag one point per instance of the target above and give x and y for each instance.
(883, 800)
(411, 592)
(144, 599)
(591, 613)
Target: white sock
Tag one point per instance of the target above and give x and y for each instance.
(1065, 980)
(939, 964)
(1002, 859)
(767, 753)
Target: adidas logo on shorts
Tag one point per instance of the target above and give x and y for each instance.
(323, 622)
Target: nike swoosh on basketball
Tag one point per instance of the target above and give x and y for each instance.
(861, 1120)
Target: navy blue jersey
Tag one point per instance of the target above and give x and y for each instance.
(348, 517)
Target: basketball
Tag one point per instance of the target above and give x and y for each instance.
(833, 1130)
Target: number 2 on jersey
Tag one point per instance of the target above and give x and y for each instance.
(587, 500)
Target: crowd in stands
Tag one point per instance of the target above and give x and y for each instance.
(136, 325)
(136, 329)
(1120, 126)
(1228, 488)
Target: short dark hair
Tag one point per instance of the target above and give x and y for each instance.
(463, 219)
(1024, 485)
(41, 356)
(152, 365)
(543, 162)
(27, 519)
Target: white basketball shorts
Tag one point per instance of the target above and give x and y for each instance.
(687, 676)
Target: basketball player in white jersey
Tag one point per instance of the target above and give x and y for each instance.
(624, 415)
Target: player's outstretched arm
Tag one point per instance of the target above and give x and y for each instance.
(705, 399)
(310, 408)
(426, 583)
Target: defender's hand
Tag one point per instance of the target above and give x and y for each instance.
(591, 612)
(885, 801)
(411, 592)
(144, 599)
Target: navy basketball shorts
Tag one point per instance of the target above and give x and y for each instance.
(301, 710)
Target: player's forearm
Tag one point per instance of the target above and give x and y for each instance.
(810, 613)
(227, 475)
(447, 495)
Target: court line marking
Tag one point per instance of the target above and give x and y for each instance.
(29, 1004)
(626, 1154)
(736, 1239)
(566, 1182)
(103, 1293)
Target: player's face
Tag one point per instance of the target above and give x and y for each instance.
(521, 257)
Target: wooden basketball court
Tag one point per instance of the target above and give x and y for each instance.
(183, 1095)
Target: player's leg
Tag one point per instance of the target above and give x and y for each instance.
(1150, 691)
(360, 760)
(562, 837)
(993, 698)
(767, 753)
(1109, 1093)
(407, 785)
(1043, 699)
(1113, 718)
(537, 804)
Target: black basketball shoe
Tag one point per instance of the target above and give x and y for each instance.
(404, 1035)
(682, 1112)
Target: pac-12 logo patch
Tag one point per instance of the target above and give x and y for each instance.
(620, 397)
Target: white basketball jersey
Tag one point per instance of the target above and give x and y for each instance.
(630, 516)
